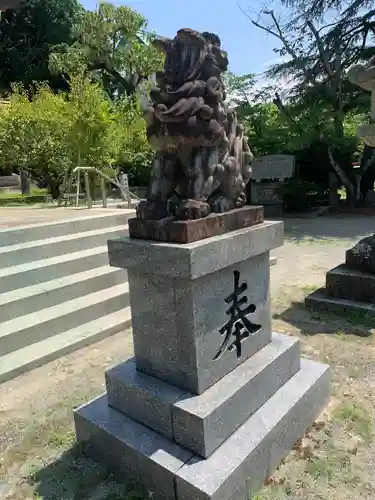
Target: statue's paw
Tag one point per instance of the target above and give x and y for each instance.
(220, 204)
(152, 210)
(192, 209)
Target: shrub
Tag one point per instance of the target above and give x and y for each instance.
(48, 134)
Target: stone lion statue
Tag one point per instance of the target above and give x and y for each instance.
(202, 162)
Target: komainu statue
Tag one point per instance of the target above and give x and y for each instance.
(202, 162)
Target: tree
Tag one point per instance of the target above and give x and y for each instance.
(27, 35)
(32, 135)
(94, 137)
(51, 133)
(316, 9)
(112, 46)
(318, 57)
(267, 130)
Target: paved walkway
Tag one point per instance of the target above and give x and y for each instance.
(314, 246)
(22, 216)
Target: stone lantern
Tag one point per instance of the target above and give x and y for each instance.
(350, 287)
(365, 78)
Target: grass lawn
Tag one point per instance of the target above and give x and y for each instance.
(36, 196)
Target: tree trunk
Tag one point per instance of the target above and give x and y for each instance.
(25, 182)
(365, 179)
(349, 186)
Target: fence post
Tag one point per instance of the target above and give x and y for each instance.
(104, 193)
(78, 186)
(124, 181)
(87, 189)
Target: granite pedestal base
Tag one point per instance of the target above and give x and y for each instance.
(212, 400)
(347, 291)
(165, 470)
(181, 298)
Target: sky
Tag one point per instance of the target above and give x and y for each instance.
(249, 48)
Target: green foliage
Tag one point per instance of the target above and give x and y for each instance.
(32, 133)
(94, 135)
(274, 127)
(239, 90)
(52, 133)
(267, 130)
(27, 35)
(316, 56)
(111, 46)
(317, 8)
(136, 154)
(300, 196)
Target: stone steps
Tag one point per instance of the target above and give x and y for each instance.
(320, 301)
(20, 275)
(345, 283)
(58, 292)
(347, 291)
(23, 301)
(35, 251)
(37, 354)
(65, 227)
(44, 323)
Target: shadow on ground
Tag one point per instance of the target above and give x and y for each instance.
(73, 476)
(315, 323)
(329, 228)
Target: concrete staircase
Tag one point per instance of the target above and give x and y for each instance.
(57, 291)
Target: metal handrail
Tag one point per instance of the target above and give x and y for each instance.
(126, 194)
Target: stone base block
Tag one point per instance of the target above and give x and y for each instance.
(321, 301)
(168, 471)
(345, 283)
(142, 397)
(203, 422)
(187, 231)
(143, 456)
(273, 211)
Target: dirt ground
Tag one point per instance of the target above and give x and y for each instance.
(335, 459)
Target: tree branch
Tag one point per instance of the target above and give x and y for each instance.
(278, 33)
(283, 110)
(322, 51)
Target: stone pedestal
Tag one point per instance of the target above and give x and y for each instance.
(269, 195)
(350, 287)
(212, 400)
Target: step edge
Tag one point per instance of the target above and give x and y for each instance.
(121, 289)
(52, 261)
(320, 295)
(287, 349)
(41, 288)
(61, 351)
(343, 270)
(114, 213)
(18, 247)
